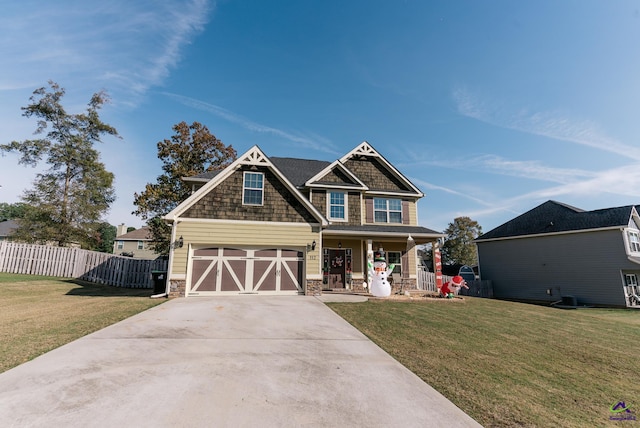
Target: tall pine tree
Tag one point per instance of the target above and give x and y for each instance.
(69, 199)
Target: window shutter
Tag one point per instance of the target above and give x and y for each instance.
(369, 210)
(405, 212)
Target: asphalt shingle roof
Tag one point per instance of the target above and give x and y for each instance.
(553, 217)
(416, 230)
(137, 235)
(298, 171)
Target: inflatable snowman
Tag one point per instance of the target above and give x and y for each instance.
(378, 272)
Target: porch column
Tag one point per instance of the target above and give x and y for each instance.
(369, 260)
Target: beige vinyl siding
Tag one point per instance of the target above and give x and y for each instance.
(249, 235)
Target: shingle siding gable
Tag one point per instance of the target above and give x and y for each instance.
(374, 175)
(224, 202)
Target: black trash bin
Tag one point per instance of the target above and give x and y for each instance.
(159, 281)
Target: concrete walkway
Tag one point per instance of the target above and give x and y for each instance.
(242, 361)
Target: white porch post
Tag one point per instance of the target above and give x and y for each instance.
(369, 259)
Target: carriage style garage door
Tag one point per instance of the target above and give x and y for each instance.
(241, 270)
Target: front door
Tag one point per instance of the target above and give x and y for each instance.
(337, 268)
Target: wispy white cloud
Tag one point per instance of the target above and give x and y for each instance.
(311, 141)
(529, 169)
(494, 164)
(427, 185)
(622, 181)
(123, 46)
(555, 125)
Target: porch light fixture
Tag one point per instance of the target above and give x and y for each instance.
(180, 242)
(312, 246)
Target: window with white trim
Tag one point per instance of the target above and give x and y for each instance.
(140, 245)
(253, 188)
(634, 241)
(387, 210)
(631, 279)
(120, 245)
(337, 206)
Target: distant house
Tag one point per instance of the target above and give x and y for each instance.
(7, 227)
(136, 244)
(557, 251)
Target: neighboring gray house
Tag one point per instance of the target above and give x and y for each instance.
(556, 250)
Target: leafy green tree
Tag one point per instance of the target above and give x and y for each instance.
(105, 237)
(68, 200)
(12, 211)
(191, 150)
(458, 246)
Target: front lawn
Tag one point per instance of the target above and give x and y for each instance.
(510, 364)
(38, 314)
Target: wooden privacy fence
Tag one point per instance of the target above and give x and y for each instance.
(86, 265)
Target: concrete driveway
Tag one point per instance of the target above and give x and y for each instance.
(242, 361)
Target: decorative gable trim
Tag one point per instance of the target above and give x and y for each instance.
(357, 184)
(367, 150)
(253, 157)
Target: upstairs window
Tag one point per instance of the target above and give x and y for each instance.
(120, 245)
(634, 241)
(253, 188)
(140, 245)
(387, 210)
(337, 206)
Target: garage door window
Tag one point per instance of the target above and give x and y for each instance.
(253, 188)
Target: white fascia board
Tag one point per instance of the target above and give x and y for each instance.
(254, 222)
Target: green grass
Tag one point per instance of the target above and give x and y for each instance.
(38, 314)
(510, 364)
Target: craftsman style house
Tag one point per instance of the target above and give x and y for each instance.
(559, 253)
(294, 226)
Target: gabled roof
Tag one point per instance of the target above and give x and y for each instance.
(351, 182)
(142, 234)
(298, 171)
(367, 150)
(254, 156)
(555, 217)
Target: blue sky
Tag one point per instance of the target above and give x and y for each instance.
(490, 108)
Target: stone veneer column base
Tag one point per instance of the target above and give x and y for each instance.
(177, 288)
(314, 287)
(404, 284)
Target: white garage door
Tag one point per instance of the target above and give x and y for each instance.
(222, 270)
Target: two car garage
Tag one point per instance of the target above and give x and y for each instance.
(226, 270)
